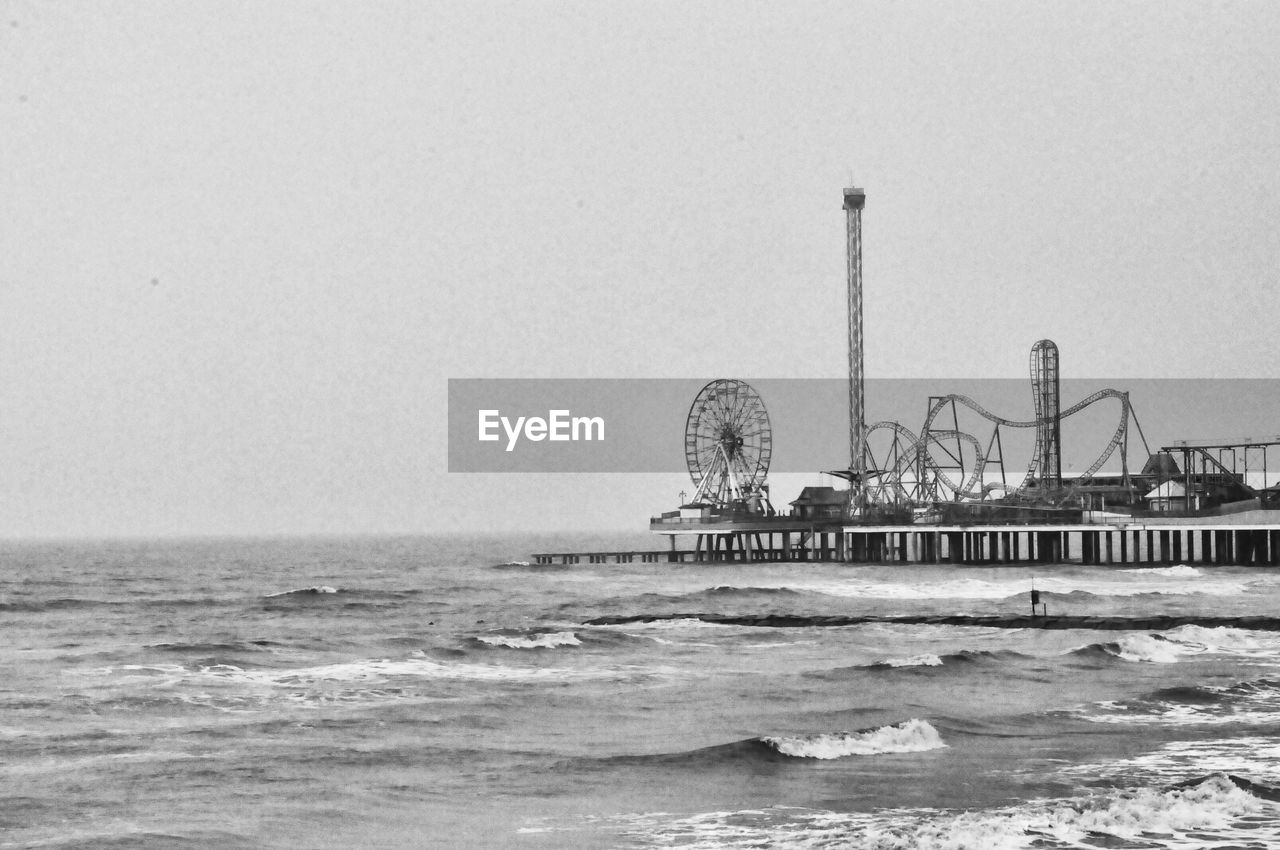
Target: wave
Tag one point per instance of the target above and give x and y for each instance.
(417, 666)
(1227, 640)
(538, 640)
(911, 736)
(923, 660)
(237, 646)
(61, 604)
(730, 590)
(1177, 571)
(316, 590)
(1175, 643)
(965, 656)
(526, 565)
(1140, 647)
(1253, 703)
(354, 600)
(1215, 810)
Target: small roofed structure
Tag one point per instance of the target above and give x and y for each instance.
(1170, 496)
(820, 503)
(1162, 466)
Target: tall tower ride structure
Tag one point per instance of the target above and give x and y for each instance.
(1044, 386)
(854, 201)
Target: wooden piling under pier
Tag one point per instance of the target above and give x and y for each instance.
(1250, 539)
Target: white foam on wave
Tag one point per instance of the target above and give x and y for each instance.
(1171, 646)
(953, 589)
(1210, 814)
(316, 589)
(1227, 640)
(922, 660)
(544, 640)
(675, 624)
(363, 671)
(1256, 703)
(913, 736)
(1257, 757)
(1152, 649)
(1176, 571)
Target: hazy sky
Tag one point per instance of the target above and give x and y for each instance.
(244, 245)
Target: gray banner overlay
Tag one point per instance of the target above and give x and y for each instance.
(638, 425)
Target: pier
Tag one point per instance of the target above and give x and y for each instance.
(1243, 539)
(935, 495)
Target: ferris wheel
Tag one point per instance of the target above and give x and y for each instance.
(727, 444)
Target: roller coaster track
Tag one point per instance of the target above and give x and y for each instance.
(917, 447)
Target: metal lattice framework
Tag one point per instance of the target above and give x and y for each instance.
(727, 443)
(1046, 460)
(922, 470)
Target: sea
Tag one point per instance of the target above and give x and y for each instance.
(336, 692)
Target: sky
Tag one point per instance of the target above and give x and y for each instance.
(244, 246)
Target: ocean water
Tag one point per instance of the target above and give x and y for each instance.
(440, 692)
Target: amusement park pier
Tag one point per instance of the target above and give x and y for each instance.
(940, 493)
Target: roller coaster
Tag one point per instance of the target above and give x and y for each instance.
(918, 469)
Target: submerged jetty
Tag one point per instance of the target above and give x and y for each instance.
(995, 621)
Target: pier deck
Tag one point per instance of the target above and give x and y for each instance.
(1250, 538)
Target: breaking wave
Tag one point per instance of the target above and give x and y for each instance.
(1216, 810)
(1255, 703)
(1147, 648)
(1178, 571)
(923, 660)
(541, 640)
(315, 590)
(1174, 644)
(965, 656)
(912, 736)
(729, 590)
